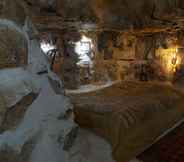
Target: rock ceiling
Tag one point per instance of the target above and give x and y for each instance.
(144, 16)
(118, 15)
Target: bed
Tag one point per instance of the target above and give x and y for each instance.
(130, 115)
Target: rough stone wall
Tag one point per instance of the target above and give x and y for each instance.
(115, 57)
(13, 48)
(139, 57)
(13, 10)
(75, 10)
(130, 57)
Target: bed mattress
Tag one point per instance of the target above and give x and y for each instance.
(130, 115)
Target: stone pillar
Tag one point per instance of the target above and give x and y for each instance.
(69, 68)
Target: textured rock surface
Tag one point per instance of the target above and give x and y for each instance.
(48, 133)
(13, 48)
(13, 10)
(30, 129)
(3, 109)
(13, 44)
(13, 116)
(142, 15)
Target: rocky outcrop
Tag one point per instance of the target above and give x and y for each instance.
(28, 121)
(13, 115)
(10, 117)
